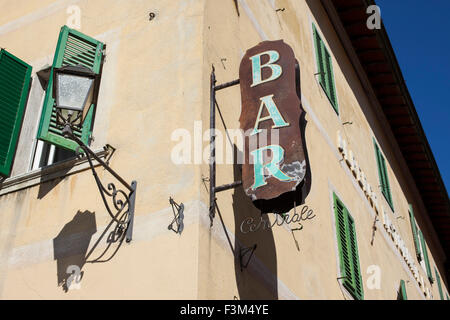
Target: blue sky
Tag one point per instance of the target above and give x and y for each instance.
(420, 35)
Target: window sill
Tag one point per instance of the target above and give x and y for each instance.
(44, 174)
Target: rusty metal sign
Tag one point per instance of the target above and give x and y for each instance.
(271, 109)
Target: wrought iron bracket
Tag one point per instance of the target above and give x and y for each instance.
(212, 161)
(123, 202)
(178, 216)
(243, 252)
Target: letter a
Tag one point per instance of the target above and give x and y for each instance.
(374, 21)
(274, 114)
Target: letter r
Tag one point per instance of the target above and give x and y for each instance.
(272, 167)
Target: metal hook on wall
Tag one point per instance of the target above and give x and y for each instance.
(178, 216)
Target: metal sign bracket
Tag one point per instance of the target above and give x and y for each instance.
(212, 162)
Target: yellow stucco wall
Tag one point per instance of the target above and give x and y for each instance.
(156, 80)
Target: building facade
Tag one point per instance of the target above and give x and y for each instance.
(369, 221)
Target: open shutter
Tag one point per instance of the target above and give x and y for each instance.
(348, 250)
(414, 232)
(387, 187)
(425, 257)
(330, 80)
(15, 76)
(357, 279)
(319, 57)
(342, 237)
(73, 48)
(325, 68)
(402, 294)
(438, 280)
(383, 175)
(380, 172)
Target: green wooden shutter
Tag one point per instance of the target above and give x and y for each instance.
(402, 294)
(357, 279)
(387, 187)
(438, 279)
(348, 250)
(331, 89)
(73, 48)
(425, 256)
(325, 68)
(414, 232)
(15, 76)
(383, 175)
(319, 58)
(342, 237)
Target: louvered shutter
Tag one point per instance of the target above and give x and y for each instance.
(402, 293)
(386, 186)
(325, 68)
(348, 250)
(331, 89)
(319, 57)
(357, 280)
(380, 173)
(73, 48)
(383, 175)
(425, 256)
(414, 232)
(342, 237)
(15, 78)
(438, 279)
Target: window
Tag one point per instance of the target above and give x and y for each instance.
(383, 175)
(402, 291)
(47, 154)
(42, 143)
(438, 280)
(348, 250)
(15, 76)
(414, 230)
(74, 48)
(425, 256)
(325, 70)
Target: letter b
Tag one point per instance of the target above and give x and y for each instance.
(257, 67)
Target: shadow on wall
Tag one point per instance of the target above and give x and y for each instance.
(257, 280)
(262, 282)
(60, 154)
(257, 284)
(70, 247)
